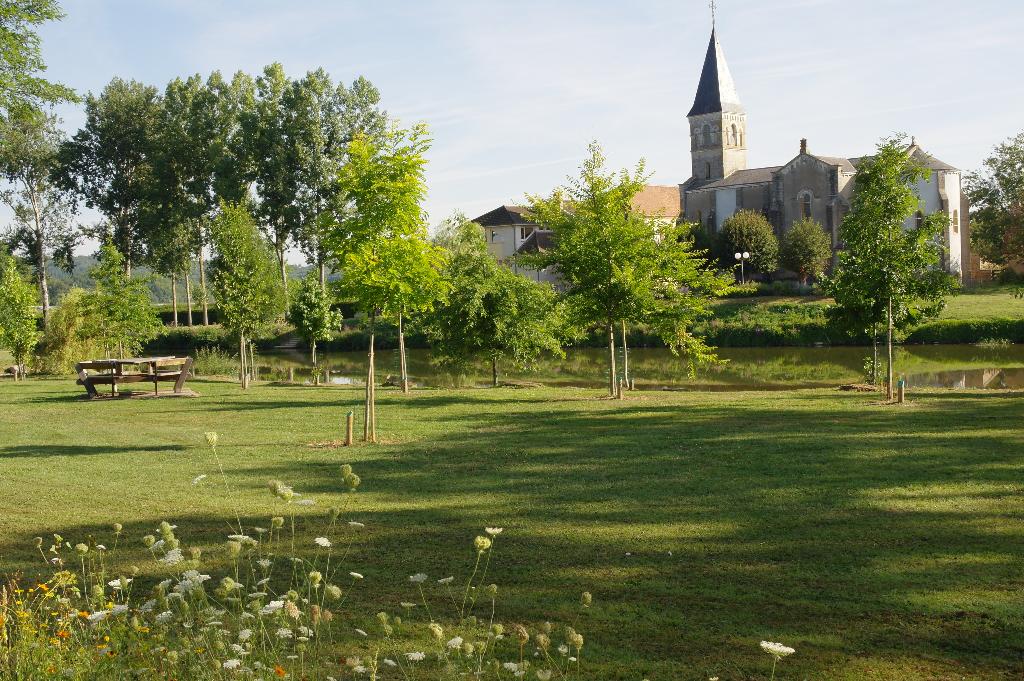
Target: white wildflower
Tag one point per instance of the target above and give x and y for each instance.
(357, 525)
(172, 557)
(283, 633)
(356, 575)
(361, 632)
(776, 650)
(232, 664)
(98, 616)
(271, 607)
(323, 542)
(389, 662)
(416, 657)
(198, 479)
(418, 578)
(494, 531)
(446, 580)
(244, 634)
(305, 502)
(455, 643)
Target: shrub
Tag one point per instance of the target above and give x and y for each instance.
(65, 340)
(750, 231)
(214, 362)
(806, 249)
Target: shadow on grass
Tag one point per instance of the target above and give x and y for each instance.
(44, 450)
(848, 531)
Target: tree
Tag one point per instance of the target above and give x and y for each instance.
(619, 265)
(42, 228)
(324, 119)
(378, 239)
(18, 330)
(245, 280)
(311, 313)
(806, 249)
(888, 272)
(120, 310)
(749, 231)
(997, 204)
(108, 163)
(490, 310)
(21, 60)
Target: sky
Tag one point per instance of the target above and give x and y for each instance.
(514, 90)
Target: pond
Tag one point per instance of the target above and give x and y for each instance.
(944, 366)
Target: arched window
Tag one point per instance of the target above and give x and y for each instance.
(735, 136)
(956, 222)
(805, 205)
(707, 135)
(919, 219)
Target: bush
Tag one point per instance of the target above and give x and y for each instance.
(968, 331)
(65, 342)
(750, 231)
(806, 249)
(214, 362)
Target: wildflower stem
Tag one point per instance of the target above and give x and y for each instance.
(469, 584)
(775, 661)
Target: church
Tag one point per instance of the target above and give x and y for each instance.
(809, 185)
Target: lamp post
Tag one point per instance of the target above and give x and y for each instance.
(742, 258)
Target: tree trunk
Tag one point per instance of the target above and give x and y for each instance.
(874, 354)
(625, 356)
(612, 373)
(888, 341)
(188, 293)
(242, 373)
(369, 417)
(403, 371)
(254, 372)
(323, 273)
(174, 300)
(494, 371)
(316, 372)
(40, 259)
(284, 271)
(202, 287)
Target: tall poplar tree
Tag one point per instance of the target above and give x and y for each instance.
(21, 60)
(18, 332)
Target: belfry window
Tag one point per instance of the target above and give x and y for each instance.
(805, 205)
(707, 170)
(707, 135)
(735, 136)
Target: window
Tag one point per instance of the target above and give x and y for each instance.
(707, 135)
(956, 222)
(707, 170)
(919, 219)
(735, 136)
(805, 205)
(494, 236)
(525, 232)
(700, 218)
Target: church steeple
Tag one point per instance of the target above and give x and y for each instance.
(718, 122)
(716, 91)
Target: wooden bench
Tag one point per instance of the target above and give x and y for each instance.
(156, 370)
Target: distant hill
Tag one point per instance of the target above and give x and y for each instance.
(159, 286)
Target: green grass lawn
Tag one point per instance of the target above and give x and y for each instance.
(985, 302)
(881, 543)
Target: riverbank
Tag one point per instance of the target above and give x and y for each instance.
(702, 524)
(979, 315)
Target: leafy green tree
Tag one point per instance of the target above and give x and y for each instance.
(888, 272)
(618, 265)
(490, 310)
(379, 237)
(21, 60)
(324, 119)
(245, 280)
(42, 229)
(749, 231)
(311, 313)
(997, 204)
(109, 162)
(18, 330)
(120, 310)
(806, 249)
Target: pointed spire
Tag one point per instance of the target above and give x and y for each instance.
(716, 91)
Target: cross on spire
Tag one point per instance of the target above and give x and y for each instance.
(712, 13)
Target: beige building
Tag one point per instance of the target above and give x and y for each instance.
(809, 185)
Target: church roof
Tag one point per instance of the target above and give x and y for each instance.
(659, 201)
(746, 176)
(716, 91)
(843, 163)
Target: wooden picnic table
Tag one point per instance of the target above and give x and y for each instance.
(146, 369)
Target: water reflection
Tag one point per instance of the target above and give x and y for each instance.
(947, 366)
